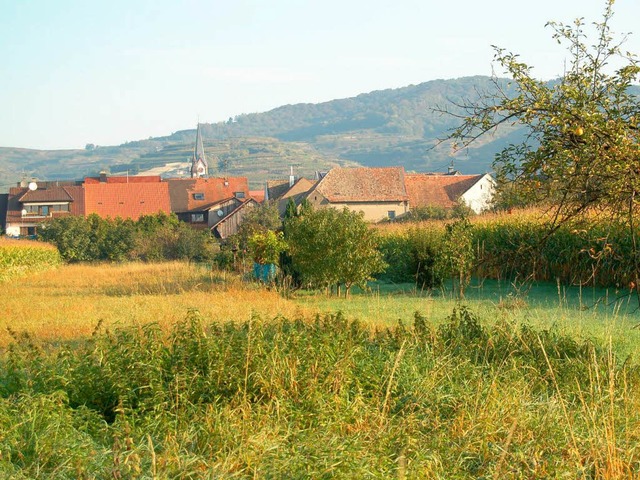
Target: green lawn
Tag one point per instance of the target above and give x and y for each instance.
(579, 312)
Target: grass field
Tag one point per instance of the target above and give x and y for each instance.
(69, 302)
(524, 384)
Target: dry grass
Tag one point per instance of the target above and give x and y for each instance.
(10, 242)
(533, 214)
(69, 302)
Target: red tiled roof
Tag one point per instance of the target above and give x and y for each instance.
(182, 190)
(257, 195)
(125, 179)
(363, 184)
(427, 190)
(126, 200)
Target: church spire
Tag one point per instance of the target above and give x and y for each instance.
(199, 166)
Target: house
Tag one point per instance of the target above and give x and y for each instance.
(446, 190)
(201, 202)
(379, 193)
(28, 206)
(125, 197)
(283, 191)
(4, 202)
(228, 225)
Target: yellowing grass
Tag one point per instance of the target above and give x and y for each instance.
(22, 257)
(68, 303)
(516, 215)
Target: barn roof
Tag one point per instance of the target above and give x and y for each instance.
(363, 184)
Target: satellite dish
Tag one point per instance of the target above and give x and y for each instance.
(220, 213)
(33, 186)
(24, 212)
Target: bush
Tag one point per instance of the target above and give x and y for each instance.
(413, 256)
(151, 238)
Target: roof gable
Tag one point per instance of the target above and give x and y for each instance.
(188, 194)
(276, 189)
(437, 190)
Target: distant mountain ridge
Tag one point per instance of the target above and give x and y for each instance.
(387, 127)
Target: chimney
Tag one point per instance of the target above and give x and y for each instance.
(291, 178)
(103, 177)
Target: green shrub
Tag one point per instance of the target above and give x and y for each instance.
(151, 238)
(414, 256)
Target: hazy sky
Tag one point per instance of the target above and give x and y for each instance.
(106, 72)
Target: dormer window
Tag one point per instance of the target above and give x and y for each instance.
(198, 196)
(239, 194)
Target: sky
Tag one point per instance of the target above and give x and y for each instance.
(107, 72)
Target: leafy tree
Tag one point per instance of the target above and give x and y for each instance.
(152, 237)
(458, 256)
(72, 236)
(117, 239)
(582, 150)
(266, 247)
(258, 219)
(333, 247)
(291, 211)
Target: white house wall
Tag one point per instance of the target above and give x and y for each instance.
(480, 196)
(12, 230)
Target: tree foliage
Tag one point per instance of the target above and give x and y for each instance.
(581, 151)
(259, 219)
(332, 247)
(581, 154)
(266, 247)
(152, 237)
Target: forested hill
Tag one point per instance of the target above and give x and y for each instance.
(387, 127)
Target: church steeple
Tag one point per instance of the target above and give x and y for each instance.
(199, 166)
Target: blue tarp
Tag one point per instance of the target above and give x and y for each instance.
(265, 273)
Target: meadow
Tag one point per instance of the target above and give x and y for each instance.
(172, 370)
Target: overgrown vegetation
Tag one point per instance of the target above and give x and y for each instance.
(510, 247)
(581, 151)
(314, 398)
(22, 257)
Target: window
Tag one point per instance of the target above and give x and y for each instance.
(44, 210)
(391, 214)
(239, 194)
(198, 196)
(197, 217)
